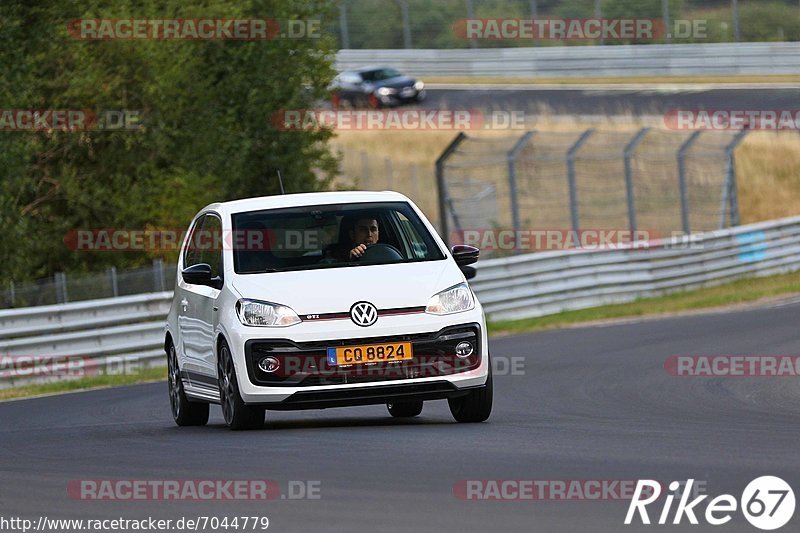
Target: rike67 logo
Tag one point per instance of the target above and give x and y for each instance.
(767, 503)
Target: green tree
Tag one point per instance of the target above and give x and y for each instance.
(206, 109)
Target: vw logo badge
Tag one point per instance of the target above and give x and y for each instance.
(363, 314)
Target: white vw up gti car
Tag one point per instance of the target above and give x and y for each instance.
(310, 301)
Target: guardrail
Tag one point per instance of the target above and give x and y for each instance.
(43, 343)
(131, 329)
(580, 61)
(531, 285)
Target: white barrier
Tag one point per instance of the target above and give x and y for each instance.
(724, 59)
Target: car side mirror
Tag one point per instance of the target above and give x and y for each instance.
(466, 255)
(199, 274)
(469, 272)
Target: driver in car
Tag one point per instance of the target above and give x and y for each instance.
(364, 233)
(361, 231)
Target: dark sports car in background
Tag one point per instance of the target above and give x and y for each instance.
(375, 87)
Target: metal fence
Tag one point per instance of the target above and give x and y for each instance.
(63, 288)
(659, 181)
(422, 24)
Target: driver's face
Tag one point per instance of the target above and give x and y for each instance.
(365, 231)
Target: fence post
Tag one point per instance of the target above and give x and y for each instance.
(13, 294)
(534, 8)
(61, 287)
(573, 190)
(441, 185)
(598, 14)
(511, 158)
(365, 169)
(471, 15)
(158, 275)
(684, 192)
(406, 24)
(666, 21)
(735, 16)
(629, 149)
(345, 31)
(729, 194)
(112, 280)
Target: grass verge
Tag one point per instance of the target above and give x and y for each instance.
(109, 380)
(737, 292)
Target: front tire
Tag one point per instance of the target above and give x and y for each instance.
(238, 416)
(404, 409)
(476, 406)
(184, 412)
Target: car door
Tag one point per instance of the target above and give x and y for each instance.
(200, 302)
(188, 337)
(352, 88)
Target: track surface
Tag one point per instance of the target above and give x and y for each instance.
(614, 101)
(593, 403)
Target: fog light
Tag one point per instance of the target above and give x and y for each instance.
(269, 364)
(464, 349)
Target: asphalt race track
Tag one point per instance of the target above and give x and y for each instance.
(588, 100)
(592, 403)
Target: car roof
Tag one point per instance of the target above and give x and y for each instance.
(359, 70)
(304, 199)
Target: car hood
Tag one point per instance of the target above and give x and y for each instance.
(335, 290)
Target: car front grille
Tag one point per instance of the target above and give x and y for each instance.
(305, 364)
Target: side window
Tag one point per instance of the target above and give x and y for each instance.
(191, 254)
(351, 78)
(418, 246)
(210, 244)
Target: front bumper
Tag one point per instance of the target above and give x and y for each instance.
(306, 382)
(348, 397)
(402, 97)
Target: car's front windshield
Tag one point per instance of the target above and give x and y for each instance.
(380, 74)
(330, 236)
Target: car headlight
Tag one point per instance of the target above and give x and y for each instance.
(257, 313)
(419, 86)
(453, 300)
(385, 91)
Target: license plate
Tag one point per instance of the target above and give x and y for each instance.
(369, 353)
(408, 91)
